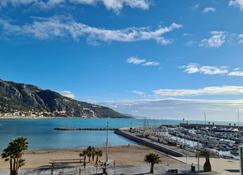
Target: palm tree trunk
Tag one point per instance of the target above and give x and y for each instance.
(97, 159)
(152, 168)
(84, 161)
(14, 166)
(17, 166)
(11, 166)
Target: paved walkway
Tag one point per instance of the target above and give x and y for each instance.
(159, 169)
(221, 166)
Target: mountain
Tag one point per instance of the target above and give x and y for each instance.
(190, 109)
(18, 99)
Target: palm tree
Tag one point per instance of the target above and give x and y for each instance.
(13, 153)
(153, 159)
(84, 155)
(93, 152)
(89, 152)
(98, 154)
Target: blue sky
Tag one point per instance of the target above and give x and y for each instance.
(113, 50)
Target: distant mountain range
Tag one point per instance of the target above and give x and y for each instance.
(17, 99)
(190, 109)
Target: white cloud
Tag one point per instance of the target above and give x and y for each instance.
(236, 3)
(209, 9)
(141, 61)
(114, 5)
(237, 72)
(140, 93)
(240, 38)
(193, 68)
(196, 6)
(216, 40)
(45, 28)
(207, 70)
(213, 90)
(67, 94)
(135, 60)
(151, 63)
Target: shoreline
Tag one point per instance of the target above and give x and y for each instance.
(20, 117)
(74, 148)
(56, 117)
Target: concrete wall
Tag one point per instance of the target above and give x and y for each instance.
(155, 146)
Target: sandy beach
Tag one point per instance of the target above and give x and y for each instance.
(123, 155)
(131, 157)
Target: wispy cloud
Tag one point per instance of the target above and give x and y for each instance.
(236, 3)
(151, 63)
(216, 40)
(213, 90)
(193, 68)
(140, 93)
(196, 6)
(141, 61)
(237, 72)
(209, 9)
(135, 60)
(55, 27)
(68, 94)
(114, 5)
(240, 38)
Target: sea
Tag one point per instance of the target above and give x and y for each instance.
(42, 136)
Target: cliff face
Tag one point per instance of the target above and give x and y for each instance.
(28, 100)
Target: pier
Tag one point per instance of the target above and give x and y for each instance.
(225, 128)
(146, 142)
(85, 129)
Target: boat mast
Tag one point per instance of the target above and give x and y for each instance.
(106, 144)
(205, 119)
(238, 117)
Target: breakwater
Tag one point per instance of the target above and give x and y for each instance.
(85, 129)
(212, 126)
(149, 143)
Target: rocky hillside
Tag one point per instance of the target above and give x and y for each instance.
(27, 100)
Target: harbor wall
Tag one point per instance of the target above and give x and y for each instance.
(158, 147)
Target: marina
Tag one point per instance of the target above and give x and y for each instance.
(221, 140)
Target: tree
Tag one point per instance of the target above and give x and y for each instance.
(84, 155)
(93, 153)
(89, 152)
(98, 154)
(14, 152)
(153, 159)
(207, 165)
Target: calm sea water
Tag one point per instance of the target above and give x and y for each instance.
(41, 133)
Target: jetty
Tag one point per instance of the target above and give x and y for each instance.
(85, 129)
(212, 126)
(149, 143)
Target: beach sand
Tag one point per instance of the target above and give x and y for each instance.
(132, 155)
